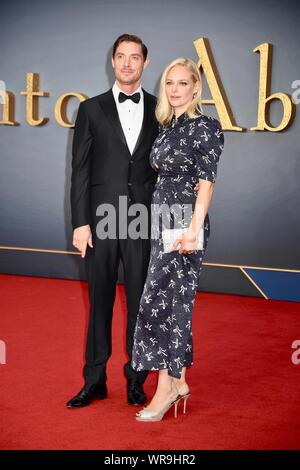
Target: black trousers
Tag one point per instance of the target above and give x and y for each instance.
(102, 262)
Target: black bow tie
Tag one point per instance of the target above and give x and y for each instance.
(135, 97)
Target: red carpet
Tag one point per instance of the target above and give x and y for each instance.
(245, 389)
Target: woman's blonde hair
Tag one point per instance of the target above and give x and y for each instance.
(164, 111)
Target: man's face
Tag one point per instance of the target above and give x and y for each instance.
(128, 63)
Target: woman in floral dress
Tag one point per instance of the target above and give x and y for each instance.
(186, 152)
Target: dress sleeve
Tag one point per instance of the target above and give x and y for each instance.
(208, 145)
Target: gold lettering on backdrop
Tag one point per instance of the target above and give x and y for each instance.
(7, 99)
(206, 65)
(61, 107)
(32, 100)
(264, 97)
(219, 99)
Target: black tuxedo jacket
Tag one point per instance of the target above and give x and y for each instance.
(102, 166)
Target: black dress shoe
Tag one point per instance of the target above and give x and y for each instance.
(87, 394)
(135, 393)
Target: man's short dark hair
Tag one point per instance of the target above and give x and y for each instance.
(130, 38)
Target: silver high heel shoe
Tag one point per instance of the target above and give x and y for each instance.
(185, 399)
(151, 416)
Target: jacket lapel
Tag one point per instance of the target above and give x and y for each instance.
(108, 105)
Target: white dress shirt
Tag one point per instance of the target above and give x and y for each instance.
(131, 116)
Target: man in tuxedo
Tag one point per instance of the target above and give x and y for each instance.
(113, 136)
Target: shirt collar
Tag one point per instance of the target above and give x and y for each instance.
(116, 90)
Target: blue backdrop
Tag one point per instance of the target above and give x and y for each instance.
(254, 215)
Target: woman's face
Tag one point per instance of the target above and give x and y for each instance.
(180, 88)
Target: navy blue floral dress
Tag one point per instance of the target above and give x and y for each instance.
(185, 151)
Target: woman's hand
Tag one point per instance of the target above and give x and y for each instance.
(187, 243)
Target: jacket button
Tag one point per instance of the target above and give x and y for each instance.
(129, 184)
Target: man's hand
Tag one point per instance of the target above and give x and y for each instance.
(82, 236)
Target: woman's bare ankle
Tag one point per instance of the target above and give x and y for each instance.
(181, 386)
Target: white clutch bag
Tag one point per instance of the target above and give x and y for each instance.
(170, 235)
